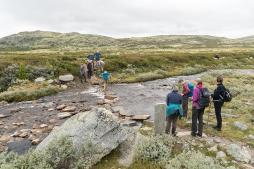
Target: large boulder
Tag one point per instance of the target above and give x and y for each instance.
(66, 78)
(97, 128)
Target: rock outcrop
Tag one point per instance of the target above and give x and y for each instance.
(98, 129)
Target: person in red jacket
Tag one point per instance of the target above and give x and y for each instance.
(185, 92)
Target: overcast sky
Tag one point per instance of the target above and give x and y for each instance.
(125, 18)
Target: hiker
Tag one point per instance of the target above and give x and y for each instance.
(174, 109)
(97, 56)
(200, 100)
(90, 57)
(187, 92)
(218, 101)
(100, 65)
(105, 76)
(83, 73)
(89, 69)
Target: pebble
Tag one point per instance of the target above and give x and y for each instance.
(43, 125)
(5, 138)
(69, 109)
(60, 107)
(63, 115)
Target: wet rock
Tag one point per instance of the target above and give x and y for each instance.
(97, 128)
(60, 107)
(220, 155)
(5, 138)
(240, 126)
(239, 153)
(39, 80)
(69, 109)
(15, 110)
(20, 147)
(66, 78)
(63, 115)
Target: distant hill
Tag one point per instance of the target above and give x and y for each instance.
(55, 40)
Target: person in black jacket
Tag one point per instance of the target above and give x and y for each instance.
(218, 101)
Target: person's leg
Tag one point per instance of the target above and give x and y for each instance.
(175, 117)
(200, 121)
(194, 122)
(185, 106)
(217, 107)
(168, 119)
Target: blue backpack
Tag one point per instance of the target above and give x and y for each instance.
(191, 88)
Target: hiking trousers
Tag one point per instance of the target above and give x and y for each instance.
(171, 121)
(185, 100)
(197, 121)
(217, 106)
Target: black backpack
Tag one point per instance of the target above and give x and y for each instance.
(226, 96)
(204, 97)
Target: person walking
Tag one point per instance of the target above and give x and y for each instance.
(173, 111)
(187, 92)
(90, 69)
(200, 100)
(105, 76)
(83, 73)
(218, 101)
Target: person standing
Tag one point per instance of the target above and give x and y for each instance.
(174, 109)
(97, 56)
(187, 92)
(90, 69)
(105, 76)
(218, 101)
(200, 100)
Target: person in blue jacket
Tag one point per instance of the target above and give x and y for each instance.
(97, 56)
(105, 76)
(173, 110)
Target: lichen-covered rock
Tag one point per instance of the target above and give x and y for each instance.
(66, 78)
(239, 153)
(97, 129)
(240, 126)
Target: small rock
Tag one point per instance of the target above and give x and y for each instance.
(110, 97)
(69, 109)
(36, 141)
(39, 80)
(31, 137)
(101, 102)
(213, 149)
(251, 137)
(220, 155)
(129, 123)
(51, 109)
(18, 124)
(15, 110)
(64, 87)
(217, 140)
(37, 131)
(50, 81)
(43, 125)
(24, 134)
(60, 107)
(66, 78)
(26, 130)
(2, 148)
(63, 115)
(117, 109)
(2, 103)
(52, 121)
(240, 126)
(20, 146)
(16, 134)
(140, 117)
(35, 126)
(1, 123)
(4, 115)
(5, 138)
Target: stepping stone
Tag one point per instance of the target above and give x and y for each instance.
(69, 109)
(140, 117)
(63, 115)
(60, 107)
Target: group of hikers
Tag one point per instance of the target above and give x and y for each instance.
(177, 104)
(92, 66)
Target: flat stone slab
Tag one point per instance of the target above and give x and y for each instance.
(60, 107)
(140, 117)
(64, 115)
(69, 109)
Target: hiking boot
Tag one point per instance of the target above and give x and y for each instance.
(199, 135)
(193, 134)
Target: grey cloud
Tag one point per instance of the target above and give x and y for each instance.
(129, 17)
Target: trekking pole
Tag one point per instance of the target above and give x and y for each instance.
(209, 110)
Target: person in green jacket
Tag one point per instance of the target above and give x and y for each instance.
(174, 109)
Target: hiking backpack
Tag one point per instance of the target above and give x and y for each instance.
(191, 88)
(226, 96)
(204, 97)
